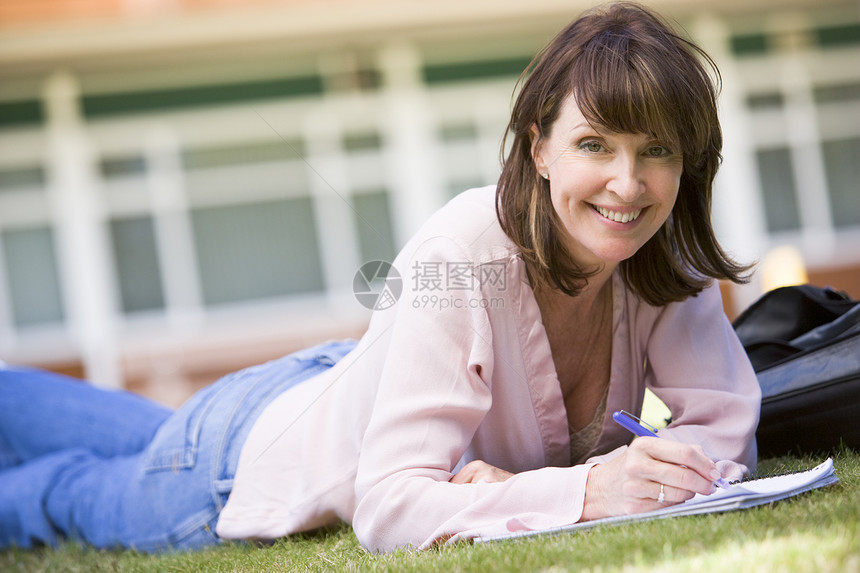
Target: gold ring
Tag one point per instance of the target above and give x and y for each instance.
(662, 497)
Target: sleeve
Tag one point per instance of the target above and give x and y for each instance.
(701, 372)
(435, 390)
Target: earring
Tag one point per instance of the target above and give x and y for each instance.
(545, 176)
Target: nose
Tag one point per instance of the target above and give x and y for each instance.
(625, 178)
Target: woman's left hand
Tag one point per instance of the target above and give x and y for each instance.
(479, 470)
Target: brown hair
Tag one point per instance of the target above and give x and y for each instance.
(629, 73)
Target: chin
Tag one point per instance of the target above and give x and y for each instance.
(616, 256)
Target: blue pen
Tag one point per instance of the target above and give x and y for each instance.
(641, 428)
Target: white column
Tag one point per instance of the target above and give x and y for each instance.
(738, 204)
(173, 235)
(410, 143)
(73, 189)
(491, 119)
(807, 160)
(331, 195)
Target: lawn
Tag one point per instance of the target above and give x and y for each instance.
(816, 532)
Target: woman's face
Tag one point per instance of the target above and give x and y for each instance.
(611, 191)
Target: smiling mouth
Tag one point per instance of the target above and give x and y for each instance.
(616, 216)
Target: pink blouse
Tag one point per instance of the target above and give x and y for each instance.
(460, 369)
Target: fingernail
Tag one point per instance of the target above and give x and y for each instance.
(715, 475)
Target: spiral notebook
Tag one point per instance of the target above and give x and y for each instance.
(739, 496)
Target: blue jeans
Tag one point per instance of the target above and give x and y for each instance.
(113, 469)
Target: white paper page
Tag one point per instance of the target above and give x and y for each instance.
(775, 485)
(738, 496)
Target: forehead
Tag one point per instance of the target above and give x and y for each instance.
(633, 115)
(571, 118)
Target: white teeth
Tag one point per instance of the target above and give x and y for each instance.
(618, 217)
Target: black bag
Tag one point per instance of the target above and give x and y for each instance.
(804, 344)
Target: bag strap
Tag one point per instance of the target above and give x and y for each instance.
(788, 312)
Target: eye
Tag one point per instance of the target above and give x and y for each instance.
(658, 151)
(591, 146)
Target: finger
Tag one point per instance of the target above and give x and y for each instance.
(686, 456)
(671, 495)
(686, 479)
(479, 470)
(500, 475)
(467, 473)
(659, 463)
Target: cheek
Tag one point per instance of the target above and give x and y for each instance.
(575, 184)
(672, 196)
(667, 184)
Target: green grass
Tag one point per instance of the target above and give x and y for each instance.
(816, 532)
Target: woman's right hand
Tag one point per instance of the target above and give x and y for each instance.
(631, 482)
(479, 470)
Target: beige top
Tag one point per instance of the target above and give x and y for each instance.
(582, 442)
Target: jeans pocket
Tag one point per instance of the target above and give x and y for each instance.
(174, 446)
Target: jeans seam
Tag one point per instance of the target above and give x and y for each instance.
(185, 456)
(223, 442)
(199, 520)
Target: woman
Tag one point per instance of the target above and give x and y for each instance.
(479, 402)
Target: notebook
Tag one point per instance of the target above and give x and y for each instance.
(738, 496)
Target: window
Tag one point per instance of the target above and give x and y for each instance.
(29, 177)
(373, 225)
(471, 71)
(806, 127)
(257, 250)
(21, 113)
(122, 103)
(778, 188)
(243, 154)
(128, 166)
(136, 263)
(462, 157)
(32, 274)
(842, 164)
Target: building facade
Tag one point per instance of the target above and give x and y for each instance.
(188, 187)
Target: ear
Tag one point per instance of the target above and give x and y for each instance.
(537, 150)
